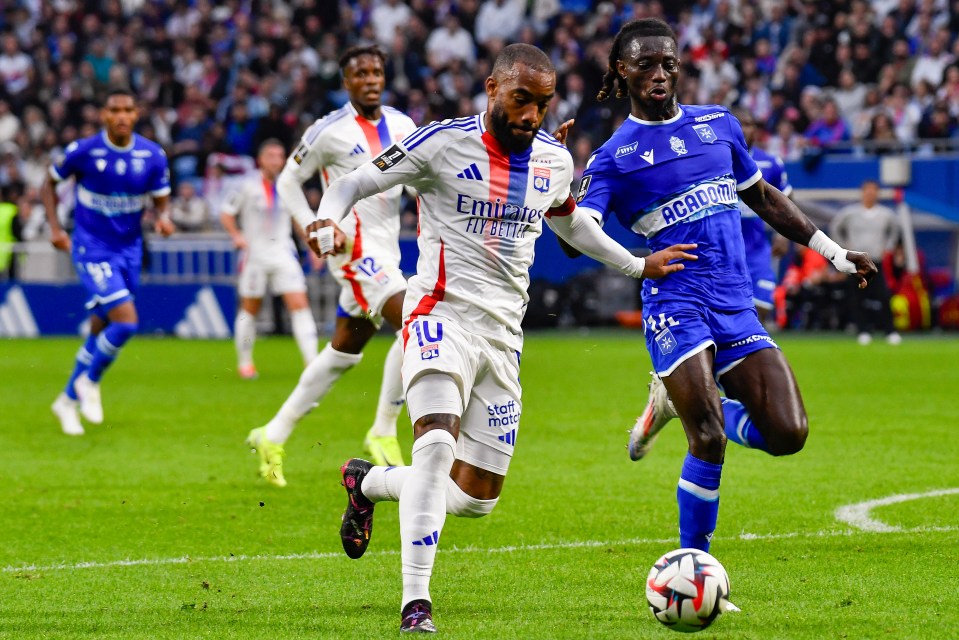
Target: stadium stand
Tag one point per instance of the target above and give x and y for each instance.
(849, 78)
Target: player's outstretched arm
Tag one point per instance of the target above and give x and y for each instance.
(289, 186)
(581, 232)
(784, 216)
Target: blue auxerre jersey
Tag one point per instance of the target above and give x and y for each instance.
(755, 236)
(113, 186)
(676, 182)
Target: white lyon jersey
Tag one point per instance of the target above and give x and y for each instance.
(336, 145)
(481, 211)
(266, 226)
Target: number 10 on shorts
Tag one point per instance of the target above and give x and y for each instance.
(428, 335)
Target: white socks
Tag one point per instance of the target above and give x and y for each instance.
(383, 484)
(423, 510)
(315, 381)
(391, 392)
(244, 335)
(304, 332)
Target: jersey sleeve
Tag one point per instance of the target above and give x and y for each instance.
(70, 164)
(563, 203)
(411, 161)
(234, 202)
(308, 158)
(597, 189)
(160, 177)
(782, 181)
(745, 170)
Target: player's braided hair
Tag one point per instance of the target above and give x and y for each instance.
(642, 28)
(356, 52)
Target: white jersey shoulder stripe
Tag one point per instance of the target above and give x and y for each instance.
(422, 134)
(317, 127)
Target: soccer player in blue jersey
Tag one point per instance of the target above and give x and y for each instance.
(115, 170)
(674, 173)
(760, 248)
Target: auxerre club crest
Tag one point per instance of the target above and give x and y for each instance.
(705, 133)
(677, 145)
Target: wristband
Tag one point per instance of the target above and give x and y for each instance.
(635, 268)
(829, 249)
(324, 238)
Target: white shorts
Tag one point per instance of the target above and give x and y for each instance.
(487, 377)
(279, 276)
(366, 283)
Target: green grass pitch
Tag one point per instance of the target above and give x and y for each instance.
(153, 525)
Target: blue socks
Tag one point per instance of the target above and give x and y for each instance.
(739, 426)
(108, 345)
(83, 360)
(698, 497)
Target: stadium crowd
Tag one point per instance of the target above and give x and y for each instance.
(215, 79)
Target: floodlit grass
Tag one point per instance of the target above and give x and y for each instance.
(167, 484)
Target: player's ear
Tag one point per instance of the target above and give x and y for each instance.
(491, 86)
(621, 69)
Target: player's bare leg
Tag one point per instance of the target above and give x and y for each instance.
(694, 393)
(302, 324)
(770, 414)
(244, 336)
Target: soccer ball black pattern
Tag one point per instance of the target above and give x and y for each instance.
(687, 589)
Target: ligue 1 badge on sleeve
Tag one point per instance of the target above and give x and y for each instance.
(389, 158)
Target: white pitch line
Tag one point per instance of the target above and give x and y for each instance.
(857, 515)
(326, 555)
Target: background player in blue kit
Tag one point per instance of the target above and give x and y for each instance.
(115, 170)
(760, 248)
(674, 173)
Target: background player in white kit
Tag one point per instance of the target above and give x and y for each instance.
(372, 285)
(269, 260)
(486, 183)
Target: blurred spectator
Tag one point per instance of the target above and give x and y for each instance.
(448, 42)
(387, 17)
(829, 128)
(188, 210)
(16, 67)
(9, 123)
(499, 20)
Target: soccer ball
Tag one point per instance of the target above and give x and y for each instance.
(687, 589)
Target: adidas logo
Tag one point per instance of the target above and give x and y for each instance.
(471, 172)
(16, 320)
(203, 318)
(508, 438)
(429, 540)
(647, 156)
(357, 150)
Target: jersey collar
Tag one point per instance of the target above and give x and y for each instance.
(657, 123)
(106, 141)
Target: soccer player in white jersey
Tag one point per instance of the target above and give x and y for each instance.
(486, 184)
(672, 173)
(116, 172)
(372, 285)
(268, 260)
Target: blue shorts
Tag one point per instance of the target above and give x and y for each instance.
(676, 331)
(110, 278)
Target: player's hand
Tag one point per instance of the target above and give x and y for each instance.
(865, 267)
(339, 238)
(239, 242)
(164, 226)
(562, 130)
(662, 263)
(60, 239)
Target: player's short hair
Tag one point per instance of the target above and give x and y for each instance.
(356, 52)
(521, 53)
(119, 90)
(270, 142)
(642, 28)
